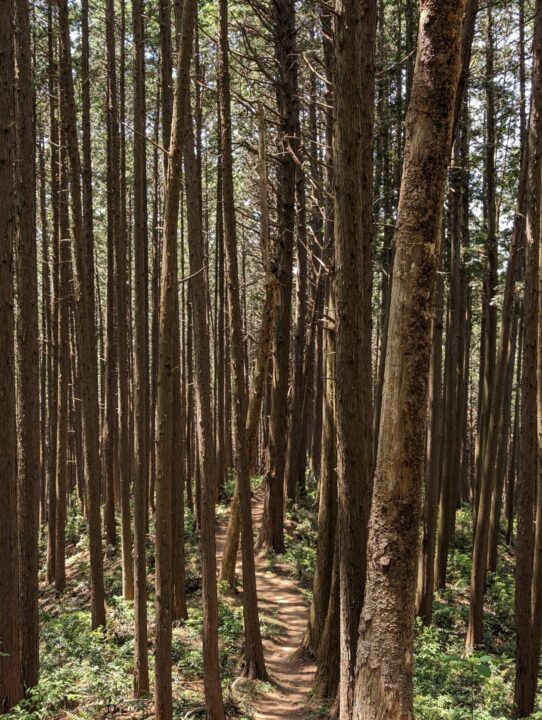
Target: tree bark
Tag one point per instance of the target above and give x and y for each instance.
(384, 664)
(11, 682)
(86, 327)
(355, 38)
(27, 353)
(529, 205)
(142, 438)
(254, 659)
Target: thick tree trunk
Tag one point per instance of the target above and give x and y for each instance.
(27, 353)
(384, 663)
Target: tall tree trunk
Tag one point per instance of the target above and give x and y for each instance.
(63, 375)
(86, 327)
(143, 439)
(54, 134)
(27, 353)
(426, 564)
(166, 361)
(529, 184)
(261, 363)
(529, 205)
(355, 37)
(327, 503)
(11, 682)
(384, 663)
(205, 446)
(117, 231)
(272, 529)
(254, 660)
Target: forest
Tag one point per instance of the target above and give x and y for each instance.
(270, 359)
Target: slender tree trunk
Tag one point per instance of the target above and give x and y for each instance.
(528, 185)
(143, 439)
(117, 231)
(198, 292)
(327, 504)
(231, 543)
(254, 660)
(355, 36)
(86, 327)
(11, 681)
(526, 653)
(172, 189)
(54, 133)
(426, 564)
(63, 376)
(272, 529)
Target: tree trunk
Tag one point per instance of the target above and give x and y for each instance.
(272, 529)
(11, 682)
(143, 439)
(231, 543)
(426, 564)
(117, 231)
(63, 376)
(86, 327)
(254, 660)
(355, 37)
(384, 663)
(529, 205)
(27, 353)
(198, 292)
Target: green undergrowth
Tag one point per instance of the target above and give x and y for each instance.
(450, 684)
(86, 674)
(89, 674)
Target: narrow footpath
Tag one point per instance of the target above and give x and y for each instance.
(282, 601)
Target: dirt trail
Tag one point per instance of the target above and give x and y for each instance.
(281, 600)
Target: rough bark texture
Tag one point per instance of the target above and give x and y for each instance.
(355, 34)
(272, 529)
(426, 565)
(385, 649)
(172, 189)
(141, 361)
(11, 686)
(529, 205)
(254, 660)
(86, 325)
(27, 354)
(327, 502)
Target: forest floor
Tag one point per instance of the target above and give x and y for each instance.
(287, 695)
(87, 675)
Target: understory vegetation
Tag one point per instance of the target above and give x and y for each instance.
(88, 673)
